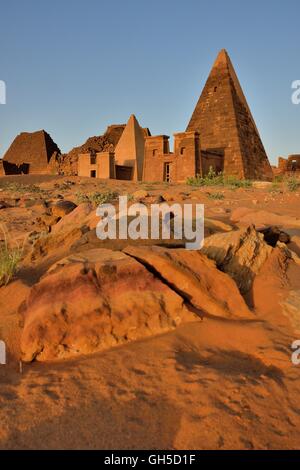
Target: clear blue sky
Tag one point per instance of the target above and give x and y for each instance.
(72, 67)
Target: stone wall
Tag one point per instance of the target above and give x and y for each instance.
(97, 165)
(162, 165)
(289, 166)
(103, 143)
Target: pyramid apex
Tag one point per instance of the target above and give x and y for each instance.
(132, 121)
(222, 58)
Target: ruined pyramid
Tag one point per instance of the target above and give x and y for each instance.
(226, 126)
(30, 152)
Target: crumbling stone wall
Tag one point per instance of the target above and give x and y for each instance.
(289, 166)
(103, 143)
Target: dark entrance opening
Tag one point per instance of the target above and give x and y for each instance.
(212, 159)
(93, 173)
(167, 172)
(124, 172)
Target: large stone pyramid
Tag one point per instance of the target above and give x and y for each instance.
(226, 126)
(130, 148)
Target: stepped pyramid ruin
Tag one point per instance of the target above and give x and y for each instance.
(226, 126)
(30, 152)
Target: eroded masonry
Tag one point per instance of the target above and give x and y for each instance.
(221, 135)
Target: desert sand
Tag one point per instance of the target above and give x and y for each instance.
(213, 381)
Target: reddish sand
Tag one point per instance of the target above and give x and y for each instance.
(212, 384)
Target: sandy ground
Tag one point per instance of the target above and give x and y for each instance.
(212, 384)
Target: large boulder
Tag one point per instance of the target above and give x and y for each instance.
(11, 321)
(276, 290)
(196, 278)
(214, 225)
(291, 309)
(53, 245)
(262, 218)
(273, 234)
(295, 244)
(239, 253)
(78, 217)
(62, 208)
(95, 300)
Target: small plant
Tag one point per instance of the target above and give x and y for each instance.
(81, 197)
(195, 181)
(102, 198)
(216, 196)
(22, 188)
(96, 198)
(218, 179)
(275, 189)
(278, 179)
(293, 184)
(234, 182)
(213, 179)
(10, 258)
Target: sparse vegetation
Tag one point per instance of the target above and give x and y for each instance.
(81, 197)
(96, 198)
(10, 258)
(213, 179)
(22, 188)
(216, 196)
(275, 188)
(278, 179)
(234, 182)
(293, 184)
(130, 197)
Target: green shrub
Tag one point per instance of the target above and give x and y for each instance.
(102, 198)
(81, 197)
(293, 184)
(214, 179)
(195, 181)
(234, 182)
(96, 198)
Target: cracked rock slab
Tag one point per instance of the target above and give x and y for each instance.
(92, 301)
(240, 253)
(196, 278)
